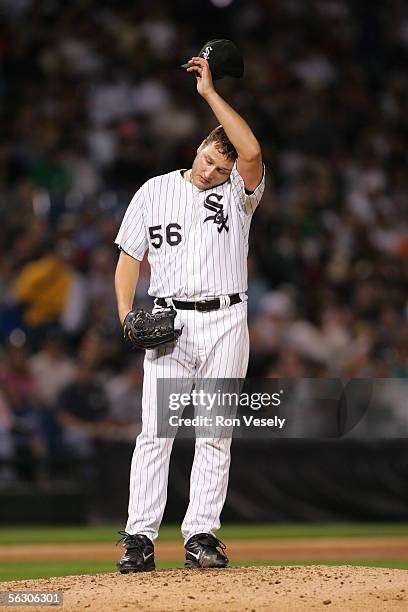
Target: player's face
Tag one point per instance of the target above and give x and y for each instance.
(210, 167)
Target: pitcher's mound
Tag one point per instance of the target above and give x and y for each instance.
(290, 588)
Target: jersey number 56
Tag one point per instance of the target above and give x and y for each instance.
(173, 237)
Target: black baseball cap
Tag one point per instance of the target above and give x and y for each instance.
(224, 58)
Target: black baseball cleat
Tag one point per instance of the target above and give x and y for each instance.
(139, 554)
(202, 550)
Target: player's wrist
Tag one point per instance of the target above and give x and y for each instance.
(210, 94)
(123, 312)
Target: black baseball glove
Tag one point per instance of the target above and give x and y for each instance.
(147, 330)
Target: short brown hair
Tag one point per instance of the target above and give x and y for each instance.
(222, 143)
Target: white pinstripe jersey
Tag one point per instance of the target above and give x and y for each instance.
(197, 240)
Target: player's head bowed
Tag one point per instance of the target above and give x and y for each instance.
(214, 160)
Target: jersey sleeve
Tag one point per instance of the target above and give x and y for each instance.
(132, 236)
(247, 201)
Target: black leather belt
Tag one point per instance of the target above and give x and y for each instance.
(201, 305)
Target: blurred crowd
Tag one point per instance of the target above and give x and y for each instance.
(94, 102)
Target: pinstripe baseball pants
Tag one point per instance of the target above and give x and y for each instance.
(213, 345)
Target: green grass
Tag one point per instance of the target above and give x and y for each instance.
(25, 570)
(170, 533)
(20, 570)
(302, 530)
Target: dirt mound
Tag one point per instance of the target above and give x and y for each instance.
(287, 589)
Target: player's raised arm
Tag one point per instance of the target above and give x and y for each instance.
(249, 162)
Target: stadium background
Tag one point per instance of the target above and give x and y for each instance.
(93, 103)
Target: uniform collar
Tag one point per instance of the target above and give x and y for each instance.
(181, 175)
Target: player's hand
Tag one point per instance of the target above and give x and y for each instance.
(201, 68)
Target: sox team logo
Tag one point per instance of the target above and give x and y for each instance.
(217, 208)
(206, 53)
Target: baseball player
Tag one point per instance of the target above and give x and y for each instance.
(194, 224)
